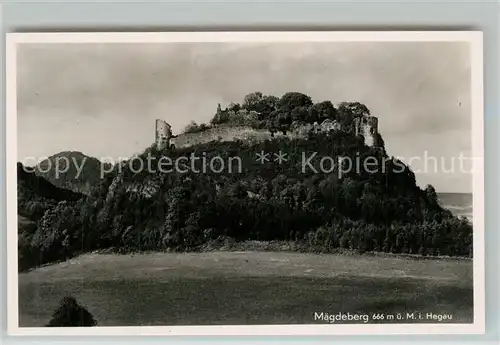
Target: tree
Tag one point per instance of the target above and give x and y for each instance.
(56, 232)
(220, 117)
(71, 314)
(175, 216)
(291, 100)
(252, 100)
(234, 107)
(193, 127)
(260, 103)
(322, 111)
(347, 112)
(301, 114)
(431, 194)
(282, 121)
(191, 232)
(355, 108)
(268, 104)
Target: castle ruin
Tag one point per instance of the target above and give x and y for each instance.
(367, 126)
(163, 134)
(363, 124)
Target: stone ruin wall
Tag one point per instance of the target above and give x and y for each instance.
(367, 126)
(163, 134)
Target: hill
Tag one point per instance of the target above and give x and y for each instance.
(71, 170)
(212, 191)
(34, 191)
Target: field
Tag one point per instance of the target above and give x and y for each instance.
(246, 288)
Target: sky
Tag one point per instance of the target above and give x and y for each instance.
(103, 99)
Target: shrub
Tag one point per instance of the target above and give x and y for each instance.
(71, 314)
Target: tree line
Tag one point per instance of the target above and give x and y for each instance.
(281, 114)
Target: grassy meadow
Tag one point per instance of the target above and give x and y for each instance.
(245, 288)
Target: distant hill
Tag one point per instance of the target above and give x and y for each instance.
(33, 187)
(78, 172)
(35, 194)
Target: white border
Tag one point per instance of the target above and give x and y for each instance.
(475, 38)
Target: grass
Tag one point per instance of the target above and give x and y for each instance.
(245, 288)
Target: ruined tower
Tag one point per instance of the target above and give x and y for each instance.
(163, 133)
(367, 126)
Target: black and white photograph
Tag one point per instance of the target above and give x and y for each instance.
(263, 183)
